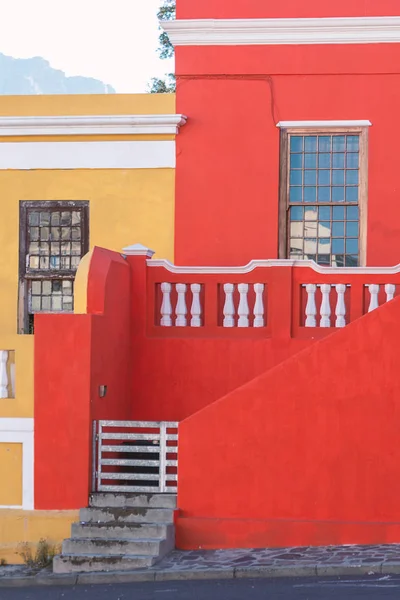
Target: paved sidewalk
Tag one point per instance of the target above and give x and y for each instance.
(230, 564)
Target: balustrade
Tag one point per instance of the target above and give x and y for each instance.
(7, 374)
(228, 301)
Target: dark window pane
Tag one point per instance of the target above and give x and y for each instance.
(310, 177)
(352, 213)
(296, 229)
(296, 161)
(310, 194)
(65, 248)
(324, 246)
(324, 177)
(324, 194)
(296, 177)
(324, 161)
(33, 218)
(337, 246)
(338, 177)
(310, 143)
(44, 218)
(353, 144)
(338, 229)
(310, 161)
(351, 261)
(57, 285)
(324, 229)
(352, 194)
(338, 194)
(352, 229)
(296, 143)
(310, 246)
(339, 143)
(55, 233)
(76, 233)
(65, 233)
(55, 218)
(34, 233)
(352, 246)
(295, 194)
(352, 178)
(324, 213)
(45, 233)
(66, 218)
(324, 259)
(76, 217)
(338, 161)
(310, 213)
(352, 161)
(338, 213)
(324, 143)
(296, 213)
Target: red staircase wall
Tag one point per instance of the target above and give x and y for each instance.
(307, 453)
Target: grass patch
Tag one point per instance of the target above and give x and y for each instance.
(41, 557)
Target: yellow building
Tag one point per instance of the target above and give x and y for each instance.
(75, 172)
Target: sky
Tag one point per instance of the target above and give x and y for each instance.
(114, 41)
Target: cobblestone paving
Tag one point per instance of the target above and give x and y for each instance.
(280, 557)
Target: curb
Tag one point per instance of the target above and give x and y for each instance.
(267, 572)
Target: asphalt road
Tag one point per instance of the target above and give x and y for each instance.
(368, 588)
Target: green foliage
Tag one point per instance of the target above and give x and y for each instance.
(163, 86)
(166, 50)
(43, 556)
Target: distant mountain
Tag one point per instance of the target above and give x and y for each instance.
(35, 76)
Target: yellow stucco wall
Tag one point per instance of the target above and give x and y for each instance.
(125, 207)
(18, 526)
(10, 474)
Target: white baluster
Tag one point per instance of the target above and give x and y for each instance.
(181, 309)
(229, 307)
(3, 374)
(390, 290)
(243, 310)
(374, 293)
(311, 308)
(325, 305)
(340, 305)
(166, 306)
(196, 306)
(259, 305)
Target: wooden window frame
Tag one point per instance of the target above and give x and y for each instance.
(24, 273)
(284, 183)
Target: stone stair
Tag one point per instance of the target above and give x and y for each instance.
(119, 532)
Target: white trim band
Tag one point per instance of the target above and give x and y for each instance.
(324, 124)
(332, 30)
(92, 125)
(87, 155)
(268, 263)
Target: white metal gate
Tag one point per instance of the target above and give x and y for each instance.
(135, 456)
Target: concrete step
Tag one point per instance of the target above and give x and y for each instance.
(106, 500)
(127, 531)
(126, 515)
(112, 547)
(84, 563)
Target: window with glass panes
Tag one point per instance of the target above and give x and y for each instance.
(324, 196)
(53, 239)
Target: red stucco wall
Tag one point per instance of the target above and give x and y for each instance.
(227, 180)
(255, 9)
(74, 355)
(307, 453)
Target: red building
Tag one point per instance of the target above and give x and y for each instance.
(283, 374)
